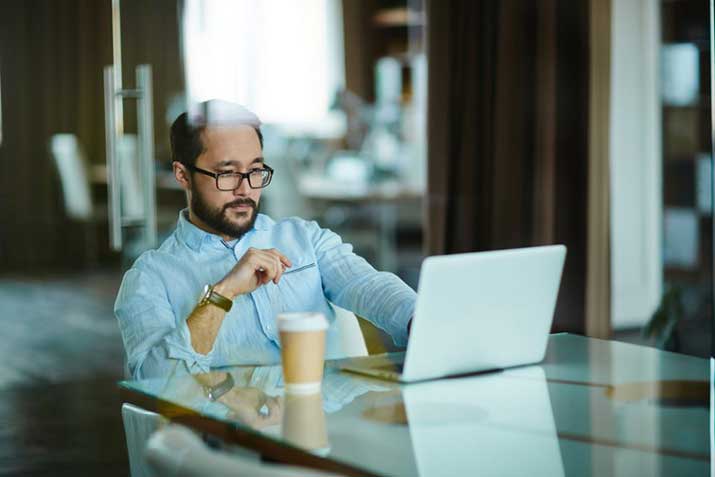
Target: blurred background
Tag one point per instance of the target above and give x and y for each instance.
(409, 127)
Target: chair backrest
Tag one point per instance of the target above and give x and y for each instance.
(139, 425)
(352, 341)
(72, 168)
(175, 451)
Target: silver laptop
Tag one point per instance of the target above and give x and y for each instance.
(476, 312)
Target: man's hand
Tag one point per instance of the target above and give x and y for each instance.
(257, 267)
(253, 407)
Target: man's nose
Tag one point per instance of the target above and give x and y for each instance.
(243, 188)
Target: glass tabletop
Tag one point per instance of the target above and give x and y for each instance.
(592, 407)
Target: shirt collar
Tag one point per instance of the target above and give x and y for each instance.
(194, 236)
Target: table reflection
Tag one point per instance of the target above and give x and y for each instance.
(591, 408)
(304, 423)
(503, 425)
(253, 395)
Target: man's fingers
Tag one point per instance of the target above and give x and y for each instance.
(283, 259)
(279, 270)
(271, 412)
(271, 264)
(274, 405)
(265, 264)
(266, 275)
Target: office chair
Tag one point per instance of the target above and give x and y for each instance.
(352, 342)
(139, 425)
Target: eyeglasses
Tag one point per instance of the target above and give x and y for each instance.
(257, 178)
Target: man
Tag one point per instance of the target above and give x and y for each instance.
(210, 294)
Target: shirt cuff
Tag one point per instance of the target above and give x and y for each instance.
(179, 346)
(399, 327)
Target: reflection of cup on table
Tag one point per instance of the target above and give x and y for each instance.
(304, 423)
(302, 351)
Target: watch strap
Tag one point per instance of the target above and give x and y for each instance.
(215, 392)
(213, 297)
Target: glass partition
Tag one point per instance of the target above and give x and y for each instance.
(661, 156)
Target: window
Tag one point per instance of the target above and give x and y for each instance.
(282, 59)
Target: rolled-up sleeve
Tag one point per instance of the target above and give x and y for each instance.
(156, 341)
(351, 282)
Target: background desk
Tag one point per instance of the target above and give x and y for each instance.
(592, 407)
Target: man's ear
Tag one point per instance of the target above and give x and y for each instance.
(181, 174)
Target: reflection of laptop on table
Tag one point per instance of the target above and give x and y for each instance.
(476, 312)
(499, 424)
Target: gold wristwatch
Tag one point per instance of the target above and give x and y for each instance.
(210, 296)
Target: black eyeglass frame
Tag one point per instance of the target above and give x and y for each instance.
(242, 175)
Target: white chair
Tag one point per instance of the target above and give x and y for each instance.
(73, 171)
(175, 451)
(139, 425)
(352, 342)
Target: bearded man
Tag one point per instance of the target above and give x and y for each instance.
(210, 294)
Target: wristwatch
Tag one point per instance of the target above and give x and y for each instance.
(218, 390)
(210, 296)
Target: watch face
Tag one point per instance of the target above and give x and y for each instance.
(205, 294)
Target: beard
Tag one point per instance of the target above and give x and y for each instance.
(218, 219)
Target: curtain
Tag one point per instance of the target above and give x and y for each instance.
(508, 134)
(52, 54)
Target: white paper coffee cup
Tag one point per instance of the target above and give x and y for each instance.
(302, 337)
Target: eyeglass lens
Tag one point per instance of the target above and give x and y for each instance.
(256, 179)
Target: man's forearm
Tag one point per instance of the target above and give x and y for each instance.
(204, 323)
(255, 268)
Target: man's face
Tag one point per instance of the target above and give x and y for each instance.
(227, 213)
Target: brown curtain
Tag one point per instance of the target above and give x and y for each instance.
(52, 54)
(508, 132)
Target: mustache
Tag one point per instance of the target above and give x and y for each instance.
(238, 202)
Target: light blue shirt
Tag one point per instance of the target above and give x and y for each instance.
(162, 288)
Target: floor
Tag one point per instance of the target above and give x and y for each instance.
(59, 363)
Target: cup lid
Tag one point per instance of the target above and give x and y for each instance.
(302, 321)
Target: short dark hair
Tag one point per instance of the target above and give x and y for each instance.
(186, 143)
